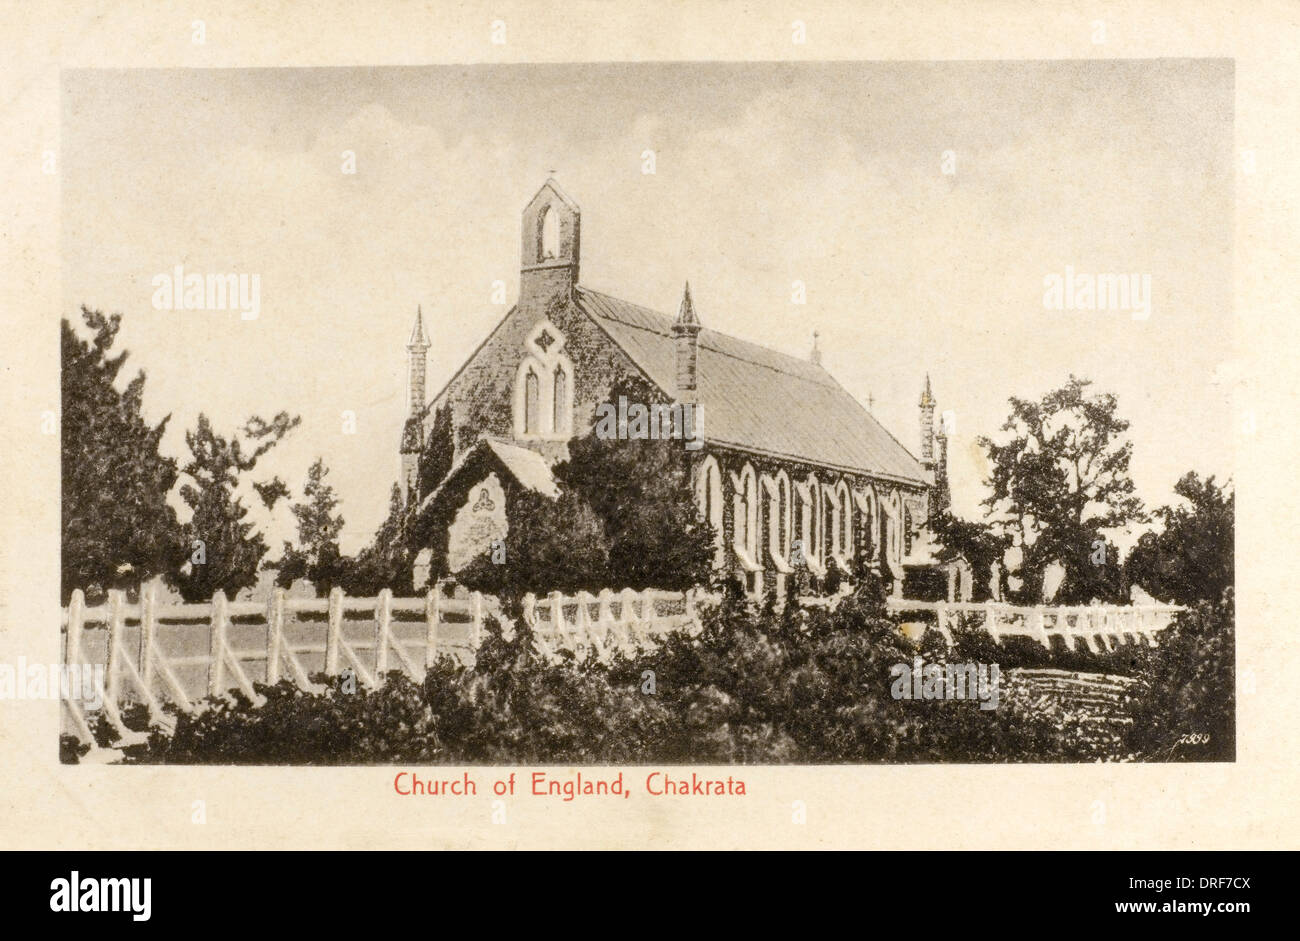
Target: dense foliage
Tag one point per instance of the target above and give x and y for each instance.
(225, 548)
(118, 528)
(626, 517)
(806, 686)
(1191, 558)
(316, 555)
(1058, 483)
(386, 562)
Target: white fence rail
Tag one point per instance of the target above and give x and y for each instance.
(153, 653)
(587, 622)
(1095, 625)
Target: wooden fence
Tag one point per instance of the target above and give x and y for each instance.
(181, 652)
(587, 622)
(1107, 624)
(155, 653)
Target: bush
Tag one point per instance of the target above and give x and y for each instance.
(1186, 710)
(294, 726)
(796, 686)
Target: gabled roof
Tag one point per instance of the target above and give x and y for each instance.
(527, 467)
(757, 399)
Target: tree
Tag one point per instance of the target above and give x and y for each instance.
(625, 518)
(386, 562)
(118, 528)
(641, 491)
(977, 543)
(437, 455)
(554, 545)
(225, 550)
(316, 557)
(1058, 484)
(1191, 559)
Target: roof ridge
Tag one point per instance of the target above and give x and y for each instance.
(848, 438)
(706, 331)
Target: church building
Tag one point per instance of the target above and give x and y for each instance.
(790, 466)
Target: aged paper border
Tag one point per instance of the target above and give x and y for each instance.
(1242, 805)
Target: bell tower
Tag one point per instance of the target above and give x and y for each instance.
(548, 260)
(413, 431)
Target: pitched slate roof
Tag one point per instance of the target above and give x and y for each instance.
(527, 467)
(758, 399)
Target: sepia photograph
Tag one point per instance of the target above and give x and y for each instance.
(647, 415)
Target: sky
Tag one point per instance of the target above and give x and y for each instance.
(829, 174)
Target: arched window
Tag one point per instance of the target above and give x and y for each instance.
(813, 549)
(543, 395)
(740, 515)
(560, 401)
(783, 517)
(828, 524)
(709, 496)
(797, 516)
(846, 522)
(751, 507)
(894, 542)
(531, 411)
(744, 509)
(864, 523)
(549, 235)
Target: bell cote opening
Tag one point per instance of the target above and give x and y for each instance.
(550, 229)
(548, 269)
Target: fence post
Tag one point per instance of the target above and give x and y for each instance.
(432, 613)
(1083, 623)
(148, 626)
(626, 599)
(558, 627)
(476, 618)
(116, 624)
(217, 644)
(333, 631)
(383, 616)
(991, 622)
(941, 622)
(1039, 629)
(530, 610)
(1107, 627)
(274, 635)
(76, 614)
(605, 613)
(582, 619)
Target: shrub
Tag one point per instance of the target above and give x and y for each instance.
(340, 725)
(1186, 710)
(796, 686)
